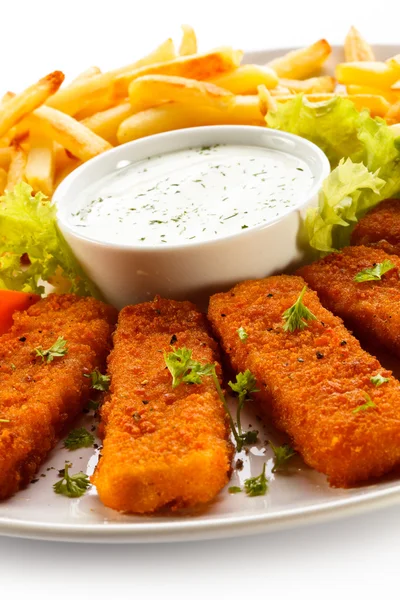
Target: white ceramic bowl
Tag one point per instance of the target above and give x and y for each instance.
(131, 274)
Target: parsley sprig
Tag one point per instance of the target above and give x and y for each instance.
(378, 379)
(72, 486)
(367, 405)
(296, 316)
(99, 381)
(242, 333)
(281, 455)
(375, 272)
(253, 486)
(184, 369)
(59, 348)
(257, 486)
(244, 385)
(78, 438)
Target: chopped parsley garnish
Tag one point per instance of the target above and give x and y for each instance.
(234, 489)
(93, 405)
(282, 455)
(368, 404)
(78, 438)
(296, 316)
(244, 385)
(242, 334)
(98, 381)
(379, 379)
(256, 486)
(375, 272)
(184, 369)
(72, 486)
(59, 348)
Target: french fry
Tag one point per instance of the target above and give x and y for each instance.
(61, 174)
(394, 61)
(395, 129)
(266, 101)
(16, 171)
(97, 105)
(377, 105)
(40, 165)
(163, 53)
(396, 86)
(374, 74)
(90, 72)
(356, 48)
(167, 117)
(3, 180)
(67, 131)
(389, 95)
(198, 66)
(302, 63)
(61, 157)
(7, 96)
(106, 123)
(153, 90)
(99, 88)
(393, 114)
(189, 42)
(280, 91)
(17, 107)
(246, 78)
(5, 157)
(313, 85)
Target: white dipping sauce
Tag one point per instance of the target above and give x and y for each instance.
(191, 195)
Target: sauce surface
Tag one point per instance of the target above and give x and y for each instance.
(191, 195)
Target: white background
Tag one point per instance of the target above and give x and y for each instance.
(352, 558)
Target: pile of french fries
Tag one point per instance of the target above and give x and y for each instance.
(47, 130)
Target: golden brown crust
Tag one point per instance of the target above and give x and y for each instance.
(162, 446)
(38, 398)
(370, 308)
(311, 381)
(381, 226)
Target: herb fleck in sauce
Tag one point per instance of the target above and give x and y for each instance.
(192, 195)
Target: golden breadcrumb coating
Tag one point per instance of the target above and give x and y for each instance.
(162, 446)
(380, 227)
(38, 398)
(312, 380)
(370, 308)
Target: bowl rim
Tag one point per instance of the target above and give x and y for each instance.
(189, 134)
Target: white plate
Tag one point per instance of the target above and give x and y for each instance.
(299, 496)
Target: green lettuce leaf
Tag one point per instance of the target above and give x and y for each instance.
(370, 174)
(350, 189)
(28, 226)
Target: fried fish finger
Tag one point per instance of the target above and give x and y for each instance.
(43, 362)
(369, 307)
(162, 446)
(380, 227)
(316, 383)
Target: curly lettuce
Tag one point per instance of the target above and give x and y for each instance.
(349, 189)
(28, 227)
(370, 174)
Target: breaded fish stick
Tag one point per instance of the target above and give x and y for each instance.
(162, 446)
(380, 227)
(41, 392)
(315, 383)
(370, 308)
